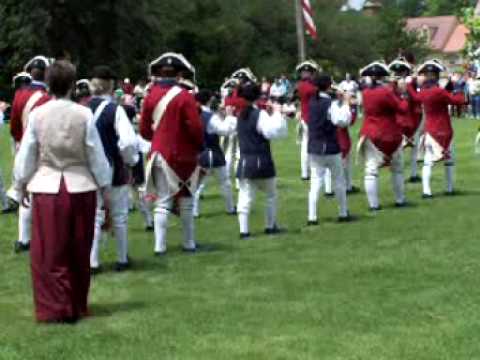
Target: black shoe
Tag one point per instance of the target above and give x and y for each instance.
(245, 236)
(119, 267)
(306, 178)
(19, 247)
(312, 223)
(450, 193)
(95, 270)
(346, 219)
(374, 209)
(233, 212)
(427, 196)
(401, 205)
(149, 228)
(9, 210)
(329, 195)
(274, 231)
(160, 253)
(353, 190)
(414, 179)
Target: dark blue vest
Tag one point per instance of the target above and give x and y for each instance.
(212, 156)
(322, 134)
(106, 129)
(255, 155)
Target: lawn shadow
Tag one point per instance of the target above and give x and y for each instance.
(109, 309)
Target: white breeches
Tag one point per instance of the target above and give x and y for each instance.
(118, 202)
(246, 197)
(25, 223)
(304, 158)
(319, 165)
(3, 196)
(431, 156)
(372, 167)
(163, 207)
(232, 154)
(221, 174)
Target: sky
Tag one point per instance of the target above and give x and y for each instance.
(356, 4)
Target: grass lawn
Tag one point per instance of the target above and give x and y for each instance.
(399, 284)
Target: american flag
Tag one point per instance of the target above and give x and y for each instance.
(310, 26)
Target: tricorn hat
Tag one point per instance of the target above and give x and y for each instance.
(308, 65)
(22, 78)
(82, 84)
(244, 73)
(37, 62)
(434, 66)
(400, 66)
(175, 60)
(376, 68)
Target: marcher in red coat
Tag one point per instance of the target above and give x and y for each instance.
(26, 99)
(305, 90)
(381, 137)
(411, 120)
(438, 141)
(170, 119)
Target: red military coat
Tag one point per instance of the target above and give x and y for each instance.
(381, 106)
(343, 135)
(410, 120)
(237, 102)
(19, 102)
(435, 101)
(179, 137)
(305, 91)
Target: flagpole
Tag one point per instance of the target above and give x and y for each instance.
(300, 31)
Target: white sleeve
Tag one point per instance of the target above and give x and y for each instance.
(96, 157)
(340, 116)
(127, 139)
(221, 127)
(144, 146)
(26, 158)
(272, 126)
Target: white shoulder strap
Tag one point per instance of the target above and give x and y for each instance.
(99, 110)
(29, 106)
(162, 105)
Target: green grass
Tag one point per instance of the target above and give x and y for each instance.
(401, 284)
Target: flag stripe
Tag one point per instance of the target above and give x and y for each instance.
(310, 26)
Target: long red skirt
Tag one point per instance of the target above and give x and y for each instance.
(62, 235)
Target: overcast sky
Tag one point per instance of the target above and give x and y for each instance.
(356, 4)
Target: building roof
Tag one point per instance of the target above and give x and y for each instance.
(445, 33)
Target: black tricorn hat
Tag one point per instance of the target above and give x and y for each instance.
(103, 72)
(376, 68)
(175, 60)
(431, 66)
(38, 62)
(400, 66)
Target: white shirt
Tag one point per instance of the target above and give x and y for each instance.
(26, 159)
(349, 86)
(127, 138)
(220, 126)
(339, 113)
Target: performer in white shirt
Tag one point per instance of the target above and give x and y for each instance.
(323, 147)
(212, 158)
(120, 144)
(256, 170)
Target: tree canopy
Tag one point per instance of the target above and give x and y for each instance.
(216, 35)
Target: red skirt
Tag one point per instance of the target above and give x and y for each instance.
(62, 235)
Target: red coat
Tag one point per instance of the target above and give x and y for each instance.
(381, 106)
(410, 120)
(435, 101)
(20, 100)
(305, 91)
(179, 137)
(343, 135)
(237, 102)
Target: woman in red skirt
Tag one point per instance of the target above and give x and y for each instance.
(61, 162)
